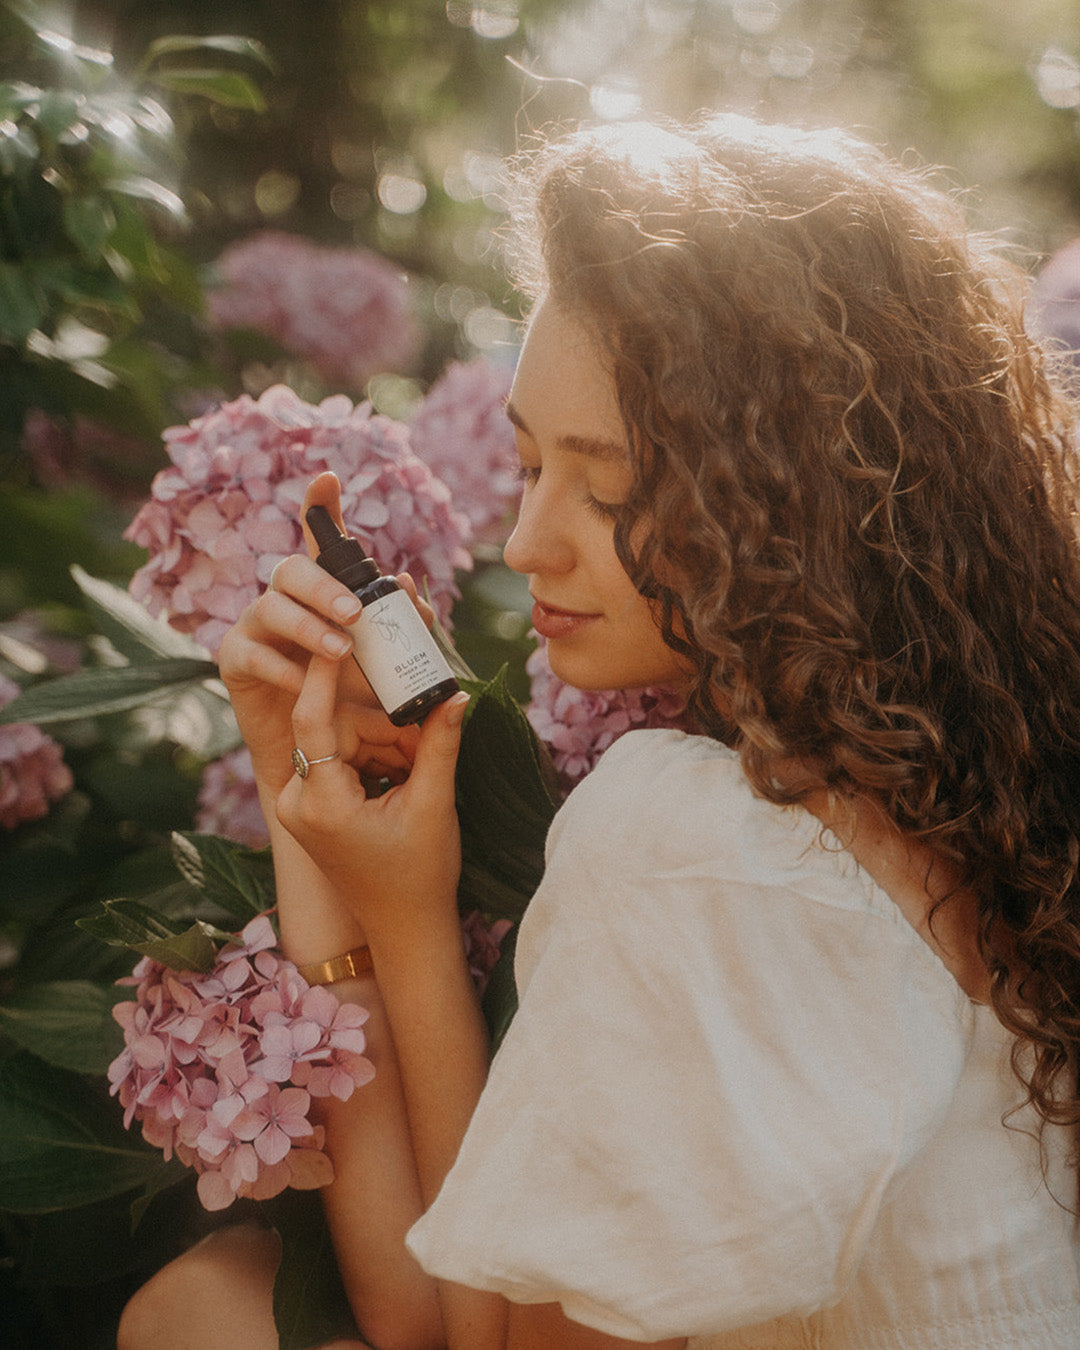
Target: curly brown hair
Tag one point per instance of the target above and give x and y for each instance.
(854, 502)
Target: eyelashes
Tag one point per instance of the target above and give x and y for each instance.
(529, 474)
(605, 511)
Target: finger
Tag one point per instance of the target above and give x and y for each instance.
(378, 754)
(242, 658)
(431, 783)
(325, 490)
(309, 807)
(304, 581)
(313, 719)
(364, 730)
(364, 735)
(274, 572)
(405, 581)
(285, 624)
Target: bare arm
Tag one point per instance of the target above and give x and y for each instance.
(386, 872)
(395, 859)
(375, 1196)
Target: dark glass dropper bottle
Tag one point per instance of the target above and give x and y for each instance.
(391, 645)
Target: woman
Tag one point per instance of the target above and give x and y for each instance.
(795, 1061)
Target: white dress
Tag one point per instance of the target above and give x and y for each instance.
(743, 1101)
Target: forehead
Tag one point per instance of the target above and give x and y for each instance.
(564, 384)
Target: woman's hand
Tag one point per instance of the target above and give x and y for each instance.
(394, 858)
(264, 657)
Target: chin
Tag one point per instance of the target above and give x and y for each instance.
(578, 673)
(593, 676)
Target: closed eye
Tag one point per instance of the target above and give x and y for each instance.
(607, 511)
(529, 474)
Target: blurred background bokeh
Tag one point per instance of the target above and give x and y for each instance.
(203, 200)
(386, 122)
(384, 125)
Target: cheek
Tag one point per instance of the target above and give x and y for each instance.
(639, 622)
(625, 602)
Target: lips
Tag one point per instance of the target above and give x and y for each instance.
(551, 622)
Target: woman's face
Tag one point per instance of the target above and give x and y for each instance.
(576, 468)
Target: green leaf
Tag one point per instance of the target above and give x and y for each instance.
(40, 872)
(128, 625)
(238, 880)
(17, 153)
(498, 722)
(88, 222)
(500, 997)
(82, 286)
(42, 533)
(310, 1306)
(128, 923)
(229, 88)
(67, 1023)
(57, 110)
(479, 888)
(61, 1141)
(170, 1173)
(89, 693)
(196, 948)
(20, 309)
(148, 190)
(17, 95)
(219, 42)
(199, 717)
(94, 1245)
(147, 791)
(506, 799)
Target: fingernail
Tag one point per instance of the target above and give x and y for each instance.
(456, 709)
(336, 644)
(346, 607)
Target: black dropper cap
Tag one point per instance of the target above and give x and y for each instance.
(342, 557)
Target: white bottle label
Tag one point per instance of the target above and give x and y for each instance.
(395, 651)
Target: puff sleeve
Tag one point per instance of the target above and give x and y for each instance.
(728, 1049)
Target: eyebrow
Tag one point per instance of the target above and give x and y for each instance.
(593, 447)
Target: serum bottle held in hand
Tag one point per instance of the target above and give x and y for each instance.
(391, 645)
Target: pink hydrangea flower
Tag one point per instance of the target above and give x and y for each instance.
(271, 1121)
(228, 801)
(578, 725)
(33, 774)
(227, 510)
(460, 429)
(344, 310)
(221, 1068)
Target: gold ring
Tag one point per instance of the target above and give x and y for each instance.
(302, 764)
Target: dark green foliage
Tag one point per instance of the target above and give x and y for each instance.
(91, 275)
(310, 1306)
(506, 796)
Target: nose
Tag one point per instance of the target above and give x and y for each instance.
(540, 542)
